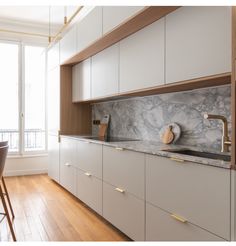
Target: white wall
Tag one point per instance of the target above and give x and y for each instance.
(26, 165)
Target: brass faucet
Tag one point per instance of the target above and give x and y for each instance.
(225, 141)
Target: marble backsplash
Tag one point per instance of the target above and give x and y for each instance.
(143, 117)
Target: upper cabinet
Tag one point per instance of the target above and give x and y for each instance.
(105, 72)
(68, 45)
(142, 58)
(53, 56)
(89, 29)
(198, 42)
(115, 15)
(81, 81)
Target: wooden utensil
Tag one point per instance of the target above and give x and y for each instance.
(168, 136)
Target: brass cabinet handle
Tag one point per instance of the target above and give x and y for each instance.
(118, 148)
(177, 217)
(176, 159)
(67, 164)
(119, 190)
(88, 174)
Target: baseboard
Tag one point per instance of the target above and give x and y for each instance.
(25, 172)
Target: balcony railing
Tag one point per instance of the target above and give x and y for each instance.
(34, 139)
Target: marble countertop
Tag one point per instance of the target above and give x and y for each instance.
(157, 148)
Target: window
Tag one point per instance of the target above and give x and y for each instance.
(22, 97)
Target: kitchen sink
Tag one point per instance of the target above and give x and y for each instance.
(214, 156)
(110, 139)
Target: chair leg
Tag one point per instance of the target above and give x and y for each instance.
(8, 198)
(7, 214)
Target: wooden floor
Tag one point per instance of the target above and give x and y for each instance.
(44, 211)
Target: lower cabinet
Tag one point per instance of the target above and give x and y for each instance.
(89, 190)
(53, 154)
(124, 211)
(162, 226)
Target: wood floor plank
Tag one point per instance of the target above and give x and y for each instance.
(44, 211)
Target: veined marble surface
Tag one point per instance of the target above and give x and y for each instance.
(143, 117)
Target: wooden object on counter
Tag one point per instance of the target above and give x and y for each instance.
(102, 131)
(168, 136)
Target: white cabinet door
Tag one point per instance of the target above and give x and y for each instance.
(162, 226)
(89, 190)
(199, 193)
(89, 29)
(81, 81)
(53, 154)
(54, 100)
(53, 56)
(142, 58)
(68, 45)
(105, 69)
(198, 42)
(89, 158)
(67, 167)
(115, 15)
(124, 211)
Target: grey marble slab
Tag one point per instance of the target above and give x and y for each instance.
(143, 117)
(156, 148)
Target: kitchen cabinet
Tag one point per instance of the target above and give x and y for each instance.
(53, 56)
(68, 45)
(142, 58)
(89, 158)
(124, 211)
(115, 15)
(162, 226)
(67, 164)
(198, 42)
(89, 29)
(81, 81)
(198, 193)
(124, 169)
(123, 191)
(53, 157)
(89, 190)
(105, 72)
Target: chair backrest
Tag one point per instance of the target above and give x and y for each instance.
(5, 143)
(3, 156)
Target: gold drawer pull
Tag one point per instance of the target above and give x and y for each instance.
(67, 164)
(88, 174)
(179, 218)
(176, 159)
(119, 190)
(118, 148)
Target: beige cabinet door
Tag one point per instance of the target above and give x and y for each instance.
(163, 226)
(105, 72)
(142, 58)
(89, 29)
(68, 45)
(124, 211)
(199, 193)
(53, 156)
(198, 42)
(125, 170)
(113, 16)
(81, 81)
(89, 190)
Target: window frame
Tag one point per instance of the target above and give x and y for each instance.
(21, 99)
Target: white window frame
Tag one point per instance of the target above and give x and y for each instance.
(21, 100)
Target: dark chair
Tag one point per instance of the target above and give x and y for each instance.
(3, 155)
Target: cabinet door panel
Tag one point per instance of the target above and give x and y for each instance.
(105, 70)
(53, 154)
(198, 42)
(142, 58)
(161, 226)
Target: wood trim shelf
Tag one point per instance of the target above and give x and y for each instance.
(143, 18)
(214, 80)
